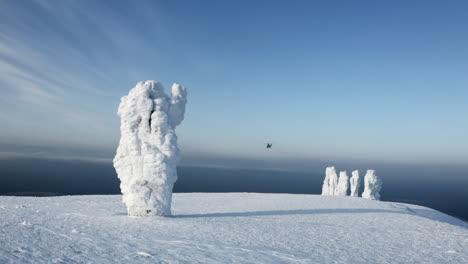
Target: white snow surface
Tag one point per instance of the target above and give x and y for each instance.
(147, 155)
(355, 183)
(228, 228)
(372, 186)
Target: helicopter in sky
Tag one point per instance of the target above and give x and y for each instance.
(269, 145)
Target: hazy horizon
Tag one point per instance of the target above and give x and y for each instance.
(355, 81)
(271, 159)
(440, 188)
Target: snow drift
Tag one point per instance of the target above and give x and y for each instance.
(228, 228)
(147, 154)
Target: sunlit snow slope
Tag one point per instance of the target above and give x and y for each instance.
(228, 228)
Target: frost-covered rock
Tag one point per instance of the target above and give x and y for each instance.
(355, 183)
(326, 183)
(372, 186)
(343, 184)
(333, 181)
(147, 154)
(330, 182)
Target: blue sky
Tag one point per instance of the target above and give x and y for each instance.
(349, 80)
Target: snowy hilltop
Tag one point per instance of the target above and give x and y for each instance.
(228, 228)
(147, 155)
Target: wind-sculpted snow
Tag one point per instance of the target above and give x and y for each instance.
(147, 154)
(355, 183)
(343, 184)
(372, 186)
(330, 182)
(228, 228)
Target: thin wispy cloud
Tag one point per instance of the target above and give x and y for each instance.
(54, 75)
(316, 85)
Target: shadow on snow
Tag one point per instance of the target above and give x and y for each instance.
(429, 214)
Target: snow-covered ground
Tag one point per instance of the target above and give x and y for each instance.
(228, 228)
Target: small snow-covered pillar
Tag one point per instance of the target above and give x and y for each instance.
(330, 182)
(343, 184)
(326, 182)
(147, 155)
(372, 186)
(355, 183)
(333, 181)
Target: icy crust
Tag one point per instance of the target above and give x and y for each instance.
(147, 155)
(228, 228)
(372, 186)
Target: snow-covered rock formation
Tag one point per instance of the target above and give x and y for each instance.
(372, 186)
(355, 183)
(330, 182)
(343, 184)
(326, 183)
(147, 154)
